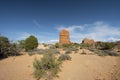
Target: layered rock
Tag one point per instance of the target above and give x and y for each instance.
(64, 37)
(88, 41)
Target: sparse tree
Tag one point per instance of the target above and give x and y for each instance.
(31, 43)
(7, 48)
(21, 44)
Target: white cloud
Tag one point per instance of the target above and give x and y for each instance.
(53, 41)
(24, 35)
(50, 41)
(98, 31)
(42, 42)
(70, 28)
(113, 39)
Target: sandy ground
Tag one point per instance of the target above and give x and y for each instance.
(81, 67)
(17, 68)
(89, 67)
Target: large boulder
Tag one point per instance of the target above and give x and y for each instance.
(88, 41)
(64, 37)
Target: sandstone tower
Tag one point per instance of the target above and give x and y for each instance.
(64, 37)
(88, 41)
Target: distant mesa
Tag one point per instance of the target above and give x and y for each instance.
(64, 37)
(88, 41)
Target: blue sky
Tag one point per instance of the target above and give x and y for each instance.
(94, 19)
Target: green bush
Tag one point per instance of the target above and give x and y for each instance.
(46, 68)
(74, 49)
(108, 45)
(55, 51)
(68, 51)
(31, 43)
(57, 45)
(7, 48)
(52, 47)
(104, 52)
(67, 45)
(105, 45)
(64, 57)
(86, 46)
(45, 45)
(110, 53)
(21, 44)
(31, 52)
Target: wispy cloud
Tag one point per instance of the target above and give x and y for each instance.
(99, 31)
(70, 28)
(36, 23)
(41, 38)
(24, 35)
(50, 41)
(53, 41)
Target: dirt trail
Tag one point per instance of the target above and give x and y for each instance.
(81, 67)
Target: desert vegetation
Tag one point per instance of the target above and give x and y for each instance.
(31, 43)
(102, 48)
(7, 48)
(48, 67)
(50, 64)
(64, 57)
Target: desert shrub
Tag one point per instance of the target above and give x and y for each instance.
(31, 52)
(84, 46)
(47, 68)
(108, 45)
(7, 48)
(21, 44)
(68, 51)
(31, 43)
(76, 50)
(64, 57)
(76, 44)
(97, 51)
(110, 53)
(45, 45)
(105, 45)
(104, 52)
(67, 45)
(37, 51)
(56, 51)
(68, 48)
(52, 47)
(57, 45)
(92, 49)
(83, 52)
(81, 48)
(40, 51)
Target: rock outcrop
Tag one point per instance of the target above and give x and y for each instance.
(64, 37)
(88, 41)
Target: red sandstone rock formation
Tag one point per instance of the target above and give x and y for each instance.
(88, 41)
(64, 37)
